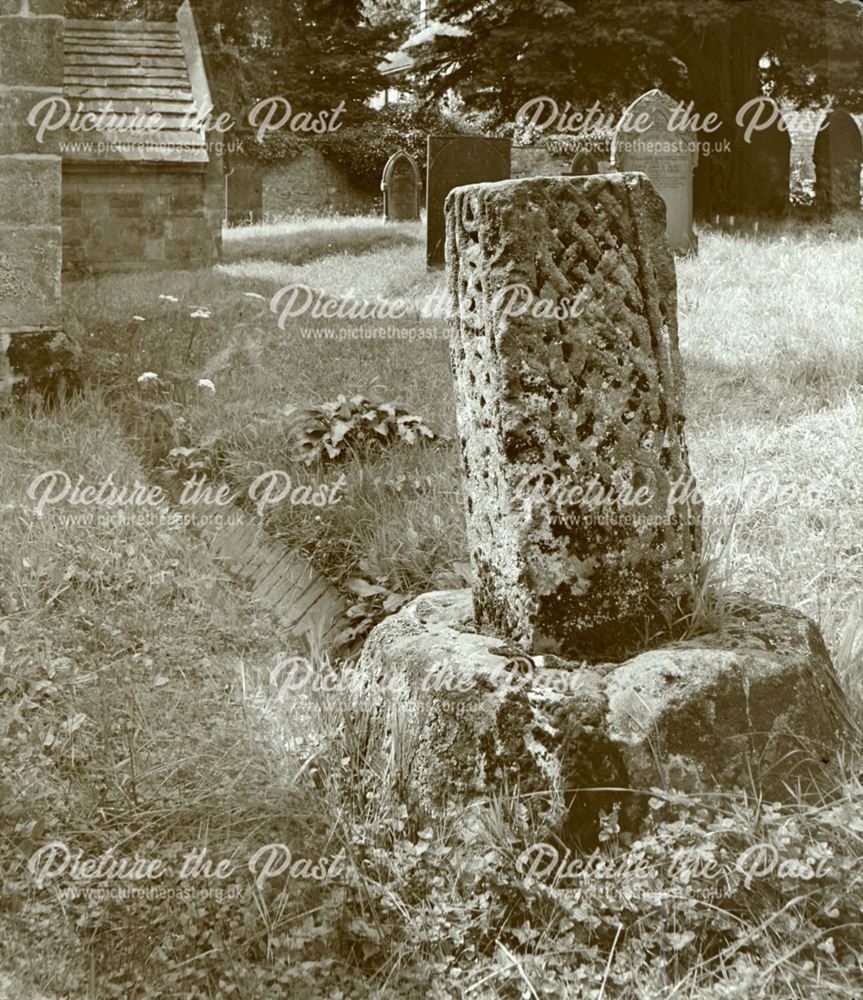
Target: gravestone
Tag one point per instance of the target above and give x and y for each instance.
(401, 187)
(766, 164)
(583, 163)
(33, 349)
(594, 397)
(554, 671)
(838, 159)
(454, 160)
(521, 680)
(244, 192)
(644, 141)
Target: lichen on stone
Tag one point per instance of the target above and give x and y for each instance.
(596, 395)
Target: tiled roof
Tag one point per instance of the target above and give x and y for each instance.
(131, 68)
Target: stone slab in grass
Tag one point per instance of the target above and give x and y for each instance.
(649, 140)
(838, 157)
(281, 579)
(401, 187)
(453, 160)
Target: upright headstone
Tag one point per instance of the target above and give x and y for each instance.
(583, 163)
(401, 187)
(766, 159)
(31, 70)
(648, 139)
(244, 191)
(838, 159)
(583, 519)
(454, 160)
(837, 187)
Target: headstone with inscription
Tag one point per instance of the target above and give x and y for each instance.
(455, 160)
(401, 187)
(650, 140)
(838, 160)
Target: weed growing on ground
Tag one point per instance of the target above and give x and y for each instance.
(138, 711)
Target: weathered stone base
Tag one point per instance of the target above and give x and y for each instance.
(756, 705)
(39, 360)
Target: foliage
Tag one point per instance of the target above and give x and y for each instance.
(356, 430)
(278, 147)
(710, 893)
(351, 428)
(717, 53)
(335, 431)
(582, 51)
(362, 149)
(373, 600)
(326, 51)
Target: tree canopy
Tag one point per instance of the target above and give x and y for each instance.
(611, 50)
(316, 53)
(720, 54)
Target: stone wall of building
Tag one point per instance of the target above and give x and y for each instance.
(31, 68)
(123, 218)
(537, 161)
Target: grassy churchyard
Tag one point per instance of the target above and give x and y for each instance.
(144, 709)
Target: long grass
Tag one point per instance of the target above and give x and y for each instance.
(769, 330)
(142, 707)
(301, 242)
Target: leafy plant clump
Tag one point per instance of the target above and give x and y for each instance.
(357, 435)
(374, 599)
(346, 428)
(330, 432)
(362, 148)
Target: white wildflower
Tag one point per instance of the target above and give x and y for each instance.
(201, 313)
(205, 383)
(169, 298)
(140, 319)
(147, 376)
